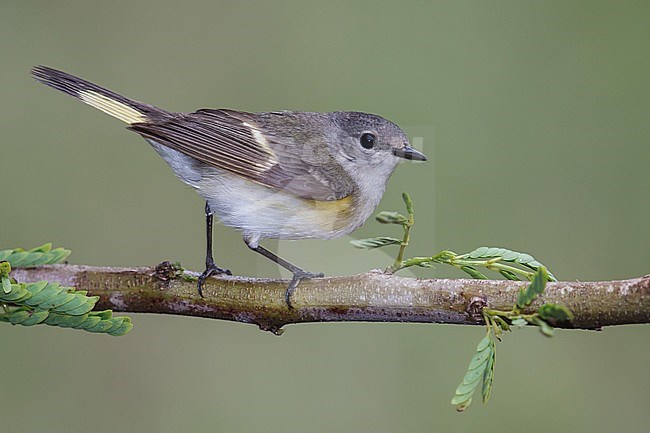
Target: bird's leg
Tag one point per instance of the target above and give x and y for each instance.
(210, 267)
(298, 274)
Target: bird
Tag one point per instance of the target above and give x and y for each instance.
(278, 175)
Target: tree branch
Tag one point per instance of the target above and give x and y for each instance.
(368, 297)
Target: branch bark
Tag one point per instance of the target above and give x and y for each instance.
(369, 297)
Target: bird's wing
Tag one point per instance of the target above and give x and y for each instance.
(235, 142)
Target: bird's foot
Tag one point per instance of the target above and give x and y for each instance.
(210, 269)
(297, 277)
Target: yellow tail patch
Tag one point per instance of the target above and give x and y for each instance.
(114, 108)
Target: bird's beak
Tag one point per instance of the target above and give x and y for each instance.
(407, 152)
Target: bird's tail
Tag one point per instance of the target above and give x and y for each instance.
(118, 106)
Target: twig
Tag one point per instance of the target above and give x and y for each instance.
(368, 297)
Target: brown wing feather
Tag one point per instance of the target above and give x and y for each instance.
(235, 142)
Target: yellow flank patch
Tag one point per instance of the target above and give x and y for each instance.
(337, 212)
(114, 108)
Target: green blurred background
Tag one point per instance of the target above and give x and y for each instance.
(534, 116)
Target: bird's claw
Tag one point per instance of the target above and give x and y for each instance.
(210, 269)
(297, 277)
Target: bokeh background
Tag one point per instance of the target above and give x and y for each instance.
(535, 119)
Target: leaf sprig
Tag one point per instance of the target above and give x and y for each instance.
(50, 303)
(20, 258)
(56, 305)
(43, 255)
(512, 265)
(480, 370)
(386, 217)
(497, 322)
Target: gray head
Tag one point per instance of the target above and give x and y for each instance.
(368, 140)
(373, 139)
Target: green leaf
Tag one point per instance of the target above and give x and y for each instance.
(76, 302)
(36, 317)
(386, 217)
(371, 243)
(43, 260)
(65, 321)
(478, 359)
(42, 255)
(509, 275)
(6, 284)
(115, 323)
(18, 258)
(462, 401)
(495, 252)
(544, 327)
(501, 323)
(555, 312)
(85, 307)
(475, 372)
(477, 253)
(90, 322)
(18, 316)
(473, 273)
(408, 202)
(18, 293)
(519, 322)
(527, 296)
(461, 406)
(62, 298)
(510, 256)
(488, 374)
(102, 326)
(124, 328)
(474, 375)
(104, 314)
(57, 255)
(506, 255)
(37, 287)
(49, 291)
(45, 248)
(483, 344)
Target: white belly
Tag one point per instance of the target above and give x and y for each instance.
(271, 213)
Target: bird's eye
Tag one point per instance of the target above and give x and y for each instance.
(367, 140)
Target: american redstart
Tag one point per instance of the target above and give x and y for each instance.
(280, 175)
